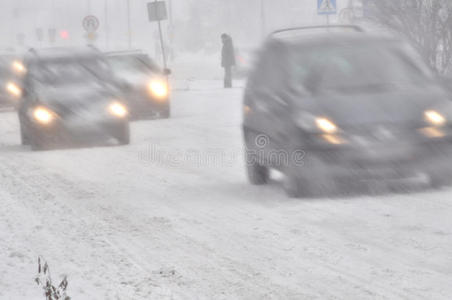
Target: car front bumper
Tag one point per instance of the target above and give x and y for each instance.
(380, 162)
(79, 131)
(142, 105)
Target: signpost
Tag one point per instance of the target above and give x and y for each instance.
(91, 24)
(157, 13)
(327, 8)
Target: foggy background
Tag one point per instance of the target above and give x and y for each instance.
(194, 25)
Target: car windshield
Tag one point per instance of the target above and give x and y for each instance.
(132, 64)
(68, 72)
(355, 67)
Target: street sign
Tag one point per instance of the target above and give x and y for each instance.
(91, 24)
(157, 11)
(326, 7)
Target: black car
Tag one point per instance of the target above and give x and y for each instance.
(344, 106)
(68, 97)
(144, 84)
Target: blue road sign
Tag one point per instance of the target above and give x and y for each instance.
(326, 7)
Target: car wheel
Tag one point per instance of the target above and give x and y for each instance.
(165, 114)
(123, 134)
(308, 180)
(37, 143)
(257, 173)
(24, 137)
(294, 187)
(438, 181)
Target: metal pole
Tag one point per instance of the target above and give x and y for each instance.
(162, 45)
(263, 19)
(129, 29)
(171, 29)
(107, 29)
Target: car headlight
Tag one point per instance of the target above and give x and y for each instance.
(18, 67)
(117, 109)
(435, 118)
(326, 125)
(14, 89)
(43, 115)
(158, 88)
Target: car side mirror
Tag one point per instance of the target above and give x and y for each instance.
(167, 72)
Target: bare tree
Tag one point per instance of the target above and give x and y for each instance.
(427, 24)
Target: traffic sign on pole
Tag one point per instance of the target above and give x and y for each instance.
(91, 24)
(157, 11)
(326, 7)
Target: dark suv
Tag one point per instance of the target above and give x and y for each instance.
(68, 95)
(143, 83)
(344, 106)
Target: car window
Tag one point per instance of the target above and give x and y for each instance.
(359, 67)
(269, 70)
(132, 64)
(68, 72)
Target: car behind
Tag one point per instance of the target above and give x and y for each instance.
(68, 97)
(143, 83)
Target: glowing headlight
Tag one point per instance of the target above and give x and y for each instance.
(13, 89)
(18, 67)
(433, 132)
(326, 125)
(158, 88)
(333, 139)
(435, 118)
(43, 115)
(117, 109)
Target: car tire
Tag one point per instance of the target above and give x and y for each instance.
(309, 180)
(295, 187)
(258, 174)
(438, 181)
(123, 134)
(24, 136)
(165, 114)
(37, 143)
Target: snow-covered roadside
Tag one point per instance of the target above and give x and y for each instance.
(156, 220)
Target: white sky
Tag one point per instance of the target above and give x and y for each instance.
(24, 16)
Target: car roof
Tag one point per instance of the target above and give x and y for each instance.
(133, 53)
(327, 36)
(62, 53)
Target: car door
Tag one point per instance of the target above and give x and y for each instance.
(268, 106)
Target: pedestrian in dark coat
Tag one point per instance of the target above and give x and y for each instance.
(227, 59)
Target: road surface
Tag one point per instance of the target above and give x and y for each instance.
(172, 217)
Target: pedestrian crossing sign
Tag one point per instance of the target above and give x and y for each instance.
(326, 7)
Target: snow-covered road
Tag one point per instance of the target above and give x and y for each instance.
(172, 217)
